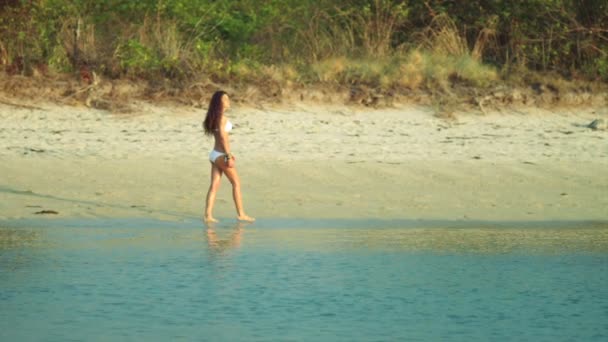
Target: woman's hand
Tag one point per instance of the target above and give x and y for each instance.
(230, 160)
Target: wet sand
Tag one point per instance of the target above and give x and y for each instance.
(306, 161)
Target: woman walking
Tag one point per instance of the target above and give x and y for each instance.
(222, 161)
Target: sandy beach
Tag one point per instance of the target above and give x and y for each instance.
(305, 161)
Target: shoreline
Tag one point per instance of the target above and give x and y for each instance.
(295, 223)
(434, 191)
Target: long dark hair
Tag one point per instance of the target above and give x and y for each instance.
(214, 113)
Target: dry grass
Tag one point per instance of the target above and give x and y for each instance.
(329, 70)
(411, 72)
(352, 33)
(447, 58)
(378, 24)
(326, 37)
(414, 70)
(285, 75)
(441, 59)
(485, 38)
(442, 38)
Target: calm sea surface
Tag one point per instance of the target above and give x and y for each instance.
(297, 280)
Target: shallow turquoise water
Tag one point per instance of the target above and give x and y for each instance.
(302, 281)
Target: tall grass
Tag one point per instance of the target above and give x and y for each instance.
(353, 32)
(446, 55)
(155, 47)
(441, 58)
(377, 24)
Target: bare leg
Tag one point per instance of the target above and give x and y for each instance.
(216, 175)
(233, 177)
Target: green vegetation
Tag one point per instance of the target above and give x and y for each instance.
(388, 45)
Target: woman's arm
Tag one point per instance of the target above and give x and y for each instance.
(225, 143)
(223, 136)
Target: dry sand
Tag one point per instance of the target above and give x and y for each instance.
(306, 161)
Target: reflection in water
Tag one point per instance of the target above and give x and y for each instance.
(219, 245)
(15, 246)
(18, 238)
(437, 240)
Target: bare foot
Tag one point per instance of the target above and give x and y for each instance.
(245, 218)
(210, 219)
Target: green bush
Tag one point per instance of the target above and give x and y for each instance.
(136, 58)
(601, 65)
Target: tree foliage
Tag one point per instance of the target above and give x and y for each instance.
(185, 38)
